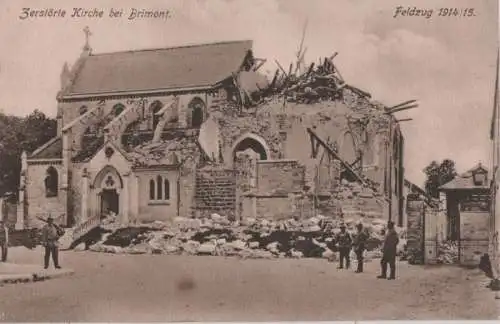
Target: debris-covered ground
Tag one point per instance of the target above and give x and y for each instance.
(448, 252)
(309, 238)
(149, 288)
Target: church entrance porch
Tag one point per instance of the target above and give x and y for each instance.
(107, 194)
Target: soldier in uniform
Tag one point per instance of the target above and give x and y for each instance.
(359, 246)
(50, 236)
(389, 252)
(344, 243)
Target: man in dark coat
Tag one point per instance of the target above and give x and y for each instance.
(344, 243)
(389, 252)
(359, 246)
(50, 236)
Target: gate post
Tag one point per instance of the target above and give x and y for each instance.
(415, 232)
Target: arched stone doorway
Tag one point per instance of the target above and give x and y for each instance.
(108, 185)
(252, 142)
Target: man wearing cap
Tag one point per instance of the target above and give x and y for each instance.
(389, 252)
(359, 246)
(50, 235)
(344, 243)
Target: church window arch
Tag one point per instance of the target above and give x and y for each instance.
(83, 109)
(152, 190)
(51, 182)
(159, 189)
(166, 190)
(155, 107)
(117, 109)
(196, 113)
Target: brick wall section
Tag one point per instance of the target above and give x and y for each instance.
(415, 230)
(215, 192)
(285, 176)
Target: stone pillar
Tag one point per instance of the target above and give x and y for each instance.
(415, 231)
(126, 199)
(134, 200)
(84, 214)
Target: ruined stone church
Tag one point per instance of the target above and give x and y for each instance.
(160, 133)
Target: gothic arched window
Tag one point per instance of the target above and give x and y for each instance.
(51, 182)
(117, 109)
(83, 110)
(151, 189)
(159, 189)
(166, 191)
(196, 113)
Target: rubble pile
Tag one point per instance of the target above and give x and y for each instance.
(318, 82)
(448, 252)
(250, 238)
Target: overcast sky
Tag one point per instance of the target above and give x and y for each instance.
(447, 63)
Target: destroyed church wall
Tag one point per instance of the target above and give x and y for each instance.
(279, 176)
(235, 129)
(276, 182)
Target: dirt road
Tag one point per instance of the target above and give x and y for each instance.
(110, 287)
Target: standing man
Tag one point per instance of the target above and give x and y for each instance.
(344, 241)
(359, 246)
(389, 252)
(50, 236)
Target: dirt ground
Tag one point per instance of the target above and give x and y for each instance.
(109, 287)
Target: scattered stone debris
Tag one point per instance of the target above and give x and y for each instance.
(448, 252)
(250, 238)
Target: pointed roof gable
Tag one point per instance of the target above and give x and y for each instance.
(176, 68)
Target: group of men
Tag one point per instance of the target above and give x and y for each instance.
(345, 242)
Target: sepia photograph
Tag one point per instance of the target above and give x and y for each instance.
(249, 160)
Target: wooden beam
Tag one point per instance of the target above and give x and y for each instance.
(281, 68)
(401, 109)
(403, 104)
(336, 156)
(258, 66)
